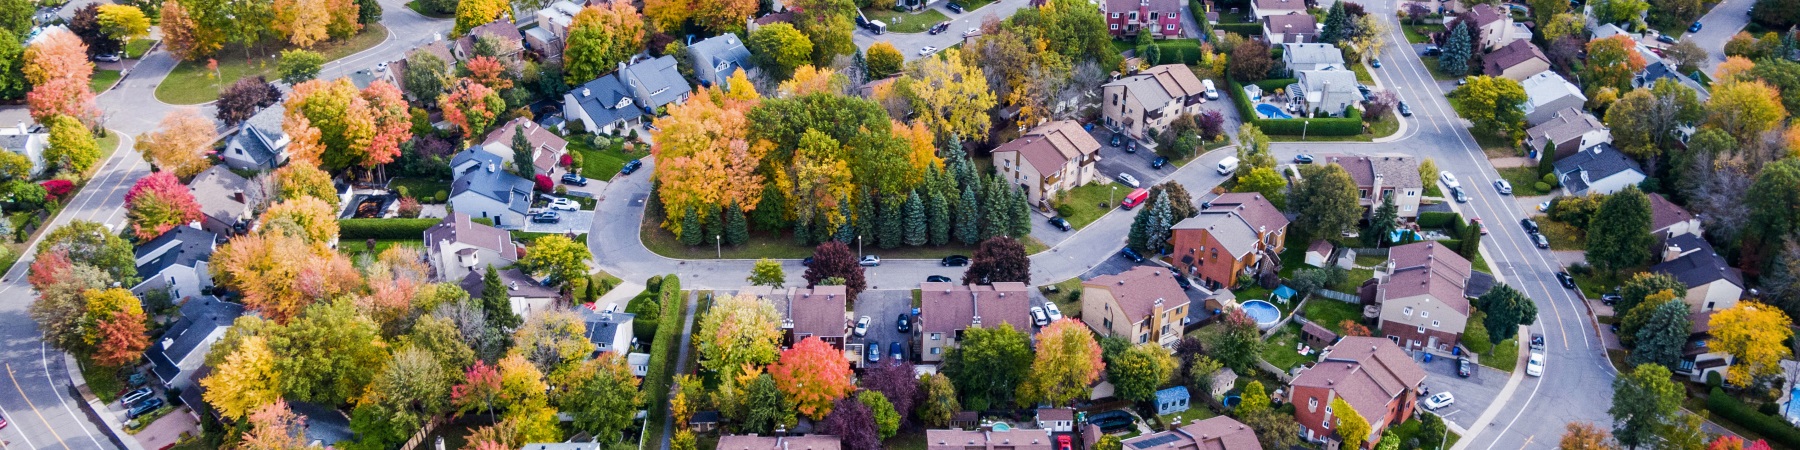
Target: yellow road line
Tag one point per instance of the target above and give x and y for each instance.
(34, 409)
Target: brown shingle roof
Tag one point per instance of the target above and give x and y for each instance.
(1396, 171)
(1137, 290)
(1483, 14)
(503, 31)
(1256, 210)
(1177, 80)
(1664, 213)
(1055, 414)
(1427, 268)
(458, 228)
(816, 311)
(1368, 372)
(754, 442)
(538, 137)
(1014, 439)
(948, 307)
(1511, 55)
(1294, 23)
(1050, 146)
(1280, 5)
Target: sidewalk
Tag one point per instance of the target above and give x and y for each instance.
(93, 405)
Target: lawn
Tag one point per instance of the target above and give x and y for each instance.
(1331, 314)
(1083, 205)
(1524, 180)
(1562, 236)
(1278, 348)
(906, 440)
(1413, 429)
(1431, 62)
(191, 84)
(103, 382)
(420, 8)
(1369, 260)
(1504, 356)
(1594, 284)
(899, 22)
(138, 47)
(971, 5)
(1066, 296)
(1420, 34)
(1385, 126)
(602, 164)
(1356, 278)
(1362, 73)
(423, 190)
(103, 79)
(1196, 411)
(764, 245)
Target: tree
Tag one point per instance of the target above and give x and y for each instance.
(1580, 435)
(1634, 319)
(1543, 10)
(555, 341)
(329, 354)
(1612, 61)
(1644, 401)
(1351, 426)
(302, 22)
(1745, 109)
(950, 95)
(1619, 235)
(767, 272)
(60, 308)
(1381, 223)
(92, 244)
(1780, 74)
(1661, 339)
(601, 37)
(780, 48)
(275, 427)
(522, 158)
(1506, 308)
(1564, 25)
(72, 149)
(1325, 201)
(1775, 14)
(479, 389)
(1250, 61)
(159, 202)
(1253, 400)
(738, 331)
(121, 335)
(1457, 47)
(832, 259)
(1139, 371)
(887, 419)
(989, 365)
(1686, 55)
(603, 396)
(411, 390)
(279, 272)
(1181, 204)
(1644, 121)
(998, 259)
(1644, 284)
(12, 67)
(56, 65)
(1753, 334)
(474, 13)
(884, 60)
(1237, 344)
(297, 66)
(1338, 24)
(426, 75)
(472, 107)
(853, 422)
(895, 380)
(85, 23)
(705, 158)
(1066, 364)
(812, 375)
(1770, 216)
(1684, 432)
(1109, 442)
(123, 22)
(333, 124)
(1265, 181)
(181, 143)
(912, 215)
(1620, 11)
(246, 380)
(828, 24)
(938, 400)
(559, 257)
(296, 181)
(1491, 103)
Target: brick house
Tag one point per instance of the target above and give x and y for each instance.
(1143, 305)
(1129, 17)
(1052, 158)
(1423, 305)
(946, 309)
(1243, 227)
(1380, 382)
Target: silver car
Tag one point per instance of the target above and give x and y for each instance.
(1129, 180)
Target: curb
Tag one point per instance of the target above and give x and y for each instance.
(95, 408)
(1493, 410)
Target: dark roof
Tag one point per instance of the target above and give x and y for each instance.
(1292, 24)
(1661, 69)
(1055, 414)
(323, 424)
(1483, 14)
(200, 317)
(604, 326)
(1511, 55)
(260, 136)
(1316, 332)
(459, 228)
(606, 100)
(1051, 146)
(1700, 266)
(1599, 162)
(948, 307)
(1664, 213)
(1256, 210)
(486, 179)
(501, 29)
(1216, 433)
(816, 311)
(1428, 268)
(721, 55)
(657, 82)
(517, 284)
(182, 245)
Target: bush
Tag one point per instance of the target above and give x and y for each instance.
(654, 284)
(579, 289)
(384, 228)
(1541, 186)
(402, 192)
(1771, 427)
(1550, 179)
(1581, 268)
(1438, 219)
(599, 285)
(562, 190)
(1713, 380)
(442, 196)
(1065, 210)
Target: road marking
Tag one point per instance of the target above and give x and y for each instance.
(9, 419)
(44, 357)
(34, 410)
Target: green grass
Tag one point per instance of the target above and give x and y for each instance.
(602, 164)
(137, 47)
(1562, 236)
(1480, 263)
(972, 5)
(103, 79)
(899, 22)
(423, 190)
(1197, 410)
(1066, 296)
(1083, 204)
(1420, 34)
(1431, 62)
(420, 8)
(1362, 74)
(1504, 356)
(104, 382)
(1356, 278)
(1278, 348)
(1386, 126)
(1524, 180)
(1413, 429)
(1331, 314)
(191, 84)
(1595, 284)
(1368, 260)
(906, 440)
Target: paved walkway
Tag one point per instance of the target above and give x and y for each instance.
(687, 339)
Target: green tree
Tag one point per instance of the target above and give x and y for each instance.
(989, 365)
(884, 60)
(890, 232)
(602, 396)
(1781, 74)
(1475, 335)
(1644, 284)
(968, 218)
(1325, 201)
(1265, 181)
(1109, 442)
(1337, 24)
(496, 302)
(767, 406)
(737, 230)
(1620, 11)
(1619, 235)
(1457, 47)
(522, 159)
(1774, 214)
(297, 65)
(914, 220)
(828, 24)
(12, 67)
(1632, 321)
(1253, 149)
(1253, 399)
(1492, 104)
(939, 400)
(1645, 401)
(779, 48)
(1351, 426)
(559, 257)
(737, 332)
(767, 272)
(1542, 10)
(329, 354)
(426, 76)
(938, 219)
(887, 420)
(72, 148)
(1661, 339)
(1237, 344)
(599, 38)
(1506, 309)
(1382, 223)
(1139, 371)
(1644, 121)
(692, 233)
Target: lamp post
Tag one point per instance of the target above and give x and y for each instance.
(719, 246)
(859, 254)
(1303, 125)
(1109, 196)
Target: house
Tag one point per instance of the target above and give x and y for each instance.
(1421, 296)
(176, 263)
(1668, 220)
(1601, 169)
(180, 352)
(1142, 305)
(1311, 56)
(1494, 23)
(818, 311)
(1053, 158)
(1319, 253)
(1567, 132)
(1327, 92)
(804, 442)
(1660, 69)
(1697, 358)
(602, 106)
(946, 309)
(1378, 381)
(259, 143)
(457, 247)
(717, 57)
(29, 141)
(1057, 420)
(1266, 8)
(1172, 400)
(552, 29)
(396, 70)
(1712, 284)
(525, 294)
(655, 83)
(1295, 28)
(608, 328)
(1516, 61)
(1217, 433)
(1149, 100)
(547, 148)
(227, 201)
(986, 439)
(1124, 18)
(502, 33)
(1383, 176)
(1546, 93)
(1242, 226)
(480, 188)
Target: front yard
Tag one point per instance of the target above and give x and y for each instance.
(1084, 205)
(1066, 294)
(1504, 356)
(603, 163)
(1524, 181)
(1421, 34)
(192, 84)
(906, 22)
(103, 79)
(1562, 236)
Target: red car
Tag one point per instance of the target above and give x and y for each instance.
(1062, 442)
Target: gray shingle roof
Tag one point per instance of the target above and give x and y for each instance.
(182, 245)
(216, 190)
(656, 81)
(261, 135)
(1313, 54)
(1598, 162)
(199, 317)
(500, 185)
(603, 327)
(720, 55)
(1663, 70)
(607, 100)
(1700, 266)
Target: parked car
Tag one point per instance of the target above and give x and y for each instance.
(937, 279)
(954, 261)
(1695, 28)
(1537, 342)
(630, 166)
(1062, 441)
(1159, 162)
(1531, 226)
(926, 50)
(1567, 281)
(1433, 50)
(1449, 179)
(1539, 240)
(1364, 90)
(107, 57)
(1610, 299)
(546, 217)
(1504, 187)
(563, 204)
(1535, 366)
(144, 407)
(1458, 194)
(1184, 283)
(1303, 159)
(1051, 309)
(939, 28)
(874, 351)
(1129, 180)
(1132, 255)
(870, 261)
(575, 179)
(1375, 62)
(806, 262)
(903, 323)
(972, 32)
(954, 7)
(1544, 207)
(1131, 146)
(134, 396)
(1666, 39)
(1405, 111)
(1118, 139)
(896, 351)
(1061, 224)
(1039, 317)
(862, 326)
(1439, 400)
(1464, 367)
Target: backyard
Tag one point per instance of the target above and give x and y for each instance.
(1279, 348)
(1331, 314)
(424, 190)
(907, 22)
(190, 83)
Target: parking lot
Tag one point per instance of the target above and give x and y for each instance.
(576, 222)
(1115, 160)
(883, 307)
(1473, 394)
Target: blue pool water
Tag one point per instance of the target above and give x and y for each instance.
(1269, 111)
(1263, 312)
(1792, 410)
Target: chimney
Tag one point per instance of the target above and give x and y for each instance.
(1672, 252)
(585, 92)
(22, 129)
(490, 167)
(239, 196)
(512, 285)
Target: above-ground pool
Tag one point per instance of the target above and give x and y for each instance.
(1791, 411)
(1263, 312)
(1269, 111)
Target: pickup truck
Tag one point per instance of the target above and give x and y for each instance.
(1537, 342)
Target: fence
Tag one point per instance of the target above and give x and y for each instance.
(419, 437)
(1382, 252)
(1339, 296)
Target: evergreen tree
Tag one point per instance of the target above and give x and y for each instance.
(846, 233)
(1161, 219)
(691, 228)
(861, 64)
(1139, 238)
(996, 214)
(715, 226)
(802, 234)
(937, 210)
(1153, 54)
(496, 302)
(1546, 159)
(1660, 340)
(737, 231)
(1619, 234)
(1471, 241)
(1455, 59)
(522, 160)
(1337, 24)
(916, 222)
(890, 231)
(866, 217)
(1382, 223)
(968, 218)
(1021, 214)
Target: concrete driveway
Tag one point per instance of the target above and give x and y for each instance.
(572, 222)
(1473, 394)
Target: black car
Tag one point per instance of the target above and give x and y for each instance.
(1132, 255)
(1159, 162)
(631, 166)
(1531, 226)
(1458, 194)
(1118, 139)
(1061, 224)
(955, 260)
(940, 27)
(546, 217)
(144, 408)
(1404, 110)
(574, 179)
(1184, 283)
(1464, 368)
(1364, 89)
(1610, 299)
(955, 8)
(937, 279)
(1567, 281)
(903, 323)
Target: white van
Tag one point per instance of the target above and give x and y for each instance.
(1212, 93)
(1229, 165)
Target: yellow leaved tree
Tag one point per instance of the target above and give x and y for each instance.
(1753, 334)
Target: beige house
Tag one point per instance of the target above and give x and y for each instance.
(1379, 176)
(1712, 284)
(1052, 158)
(1495, 25)
(1266, 8)
(1143, 304)
(946, 309)
(1423, 305)
(1516, 61)
(1668, 220)
(1148, 100)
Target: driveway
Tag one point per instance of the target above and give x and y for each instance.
(1717, 26)
(572, 222)
(910, 43)
(883, 307)
(168, 429)
(1473, 394)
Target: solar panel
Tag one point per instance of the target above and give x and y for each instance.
(1156, 441)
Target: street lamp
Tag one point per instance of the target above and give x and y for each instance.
(1303, 125)
(718, 246)
(1109, 196)
(859, 254)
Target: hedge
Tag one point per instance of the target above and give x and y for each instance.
(384, 228)
(1246, 29)
(1434, 219)
(662, 354)
(1350, 125)
(1771, 427)
(1186, 49)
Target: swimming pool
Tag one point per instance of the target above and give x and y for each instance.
(1791, 411)
(1269, 111)
(1263, 312)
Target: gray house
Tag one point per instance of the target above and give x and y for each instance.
(717, 57)
(480, 188)
(608, 329)
(228, 201)
(525, 294)
(457, 247)
(1601, 169)
(1327, 92)
(176, 262)
(259, 144)
(181, 351)
(602, 106)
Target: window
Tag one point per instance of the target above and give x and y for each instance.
(1153, 16)
(1134, 16)
(1407, 311)
(1424, 313)
(1142, 338)
(1115, 15)
(936, 350)
(1115, 27)
(1170, 27)
(1165, 329)
(1434, 323)
(1312, 403)
(937, 336)
(1421, 328)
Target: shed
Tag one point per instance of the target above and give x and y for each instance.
(1316, 336)
(704, 421)
(1319, 253)
(1172, 400)
(1223, 381)
(965, 420)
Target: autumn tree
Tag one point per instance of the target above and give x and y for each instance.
(117, 325)
(242, 99)
(999, 259)
(60, 308)
(274, 426)
(1351, 426)
(1139, 371)
(1491, 103)
(329, 354)
(280, 272)
(828, 24)
(1612, 61)
(557, 256)
(937, 401)
(478, 390)
(738, 331)
(1250, 61)
(812, 375)
(245, 381)
(72, 148)
(600, 37)
(1745, 109)
(951, 96)
(852, 421)
(310, 218)
(410, 390)
(180, 144)
(1238, 343)
(123, 22)
(1644, 121)
(833, 259)
(474, 13)
(705, 158)
(471, 107)
(159, 202)
(884, 60)
(767, 272)
(555, 341)
(337, 126)
(92, 244)
(1753, 334)
(1579, 435)
(895, 380)
(779, 48)
(1066, 364)
(294, 181)
(1645, 401)
(302, 22)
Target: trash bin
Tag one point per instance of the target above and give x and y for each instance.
(1427, 357)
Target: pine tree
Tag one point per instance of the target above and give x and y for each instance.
(715, 225)
(1021, 214)
(737, 231)
(1471, 241)
(496, 302)
(996, 213)
(802, 235)
(691, 228)
(1337, 24)
(1140, 230)
(846, 233)
(1455, 60)
(890, 232)
(968, 218)
(522, 160)
(1381, 224)
(861, 63)
(916, 223)
(1547, 159)
(1162, 217)
(937, 208)
(866, 219)
(1153, 54)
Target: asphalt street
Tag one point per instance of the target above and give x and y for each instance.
(1717, 26)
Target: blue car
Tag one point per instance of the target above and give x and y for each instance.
(1695, 28)
(631, 166)
(897, 352)
(874, 352)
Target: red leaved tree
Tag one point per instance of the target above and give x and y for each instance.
(159, 202)
(392, 123)
(813, 374)
(56, 189)
(489, 72)
(480, 386)
(833, 259)
(275, 427)
(57, 67)
(123, 338)
(472, 107)
(1351, 328)
(853, 422)
(49, 268)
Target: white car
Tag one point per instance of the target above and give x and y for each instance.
(927, 50)
(1439, 400)
(972, 32)
(1055, 314)
(870, 261)
(1448, 179)
(862, 326)
(1129, 180)
(563, 204)
(1535, 366)
(1544, 207)
(1039, 317)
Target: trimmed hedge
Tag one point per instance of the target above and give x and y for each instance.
(1771, 427)
(1188, 50)
(1246, 29)
(662, 354)
(384, 228)
(1350, 125)
(1434, 219)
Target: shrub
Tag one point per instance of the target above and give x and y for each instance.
(1550, 179)
(1770, 427)
(1713, 380)
(384, 228)
(654, 284)
(543, 183)
(579, 289)
(402, 192)
(1581, 268)
(574, 159)
(562, 190)
(57, 188)
(442, 196)
(1065, 210)
(1438, 219)
(410, 208)
(1541, 186)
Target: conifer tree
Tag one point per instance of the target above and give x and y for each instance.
(1337, 24)
(715, 225)
(521, 148)
(968, 218)
(915, 220)
(690, 228)
(889, 230)
(846, 233)
(737, 230)
(1021, 214)
(996, 213)
(1161, 219)
(1139, 237)
(1455, 60)
(1382, 223)
(937, 207)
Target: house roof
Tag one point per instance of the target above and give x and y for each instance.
(1228, 227)
(216, 190)
(560, 13)
(440, 49)
(1598, 162)
(200, 317)
(1664, 214)
(1312, 54)
(1256, 210)
(1368, 372)
(1280, 5)
(1317, 332)
(1140, 289)
(1512, 54)
(458, 228)
(1396, 171)
(1321, 246)
(948, 307)
(658, 79)
(606, 100)
(484, 177)
(517, 283)
(754, 442)
(1546, 87)
(1701, 321)
(604, 325)
(1013, 439)
(180, 246)
(1052, 145)
(1173, 393)
(552, 146)
(1157, 85)
(503, 31)
(1660, 69)
(1132, 5)
(260, 136)
(1330, 86)
(1292, 24)
(1700, 266)
(1483, 14)
(1217, 433)
(1568, 123)
(722, 54)
(816, 311)
(18, 139)
(1050, 414)
(1428, 269)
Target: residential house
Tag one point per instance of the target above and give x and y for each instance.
(655, 83)
(1057, 420)
(818, 311)
(549, 36)
(1668, 220)
(609, 328)
(1266, 8)
(1295, 28)
(1516, 61)
(1567, 132)
(987, 439)
(1053, 158)
(802, 442)
(30, 141)
(1150, 99)
(396, 70)
(228, 202)
(1698, 359)
(717, 57)
(259, 143)
(504, 36)
(1217, 433)
(1712, 284)
(525, 294)
(1383, 176)
(1421, 296)
(946, 309)
(1546, 93)
(180, 353)
(1378, 380)
(1162, 18)
(1325, 92)
(547, 149)
(1494, 23)
(481, 188)
(1601, 169)
(602, 106)
(1660, 69)
(1242, 226)
(457, 247)
(176, 263)
(1311, 56)
(1142, 305)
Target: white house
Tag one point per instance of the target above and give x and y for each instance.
(457, 247)
(1601, 169)
(609, 328)
(1546, 93)
(481, 188)
(259, 144)
(1057, 420)
(176, 262)
(1311, 56)
(1326, 92)
(29, 141)
(547, 149)
(181, 352)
